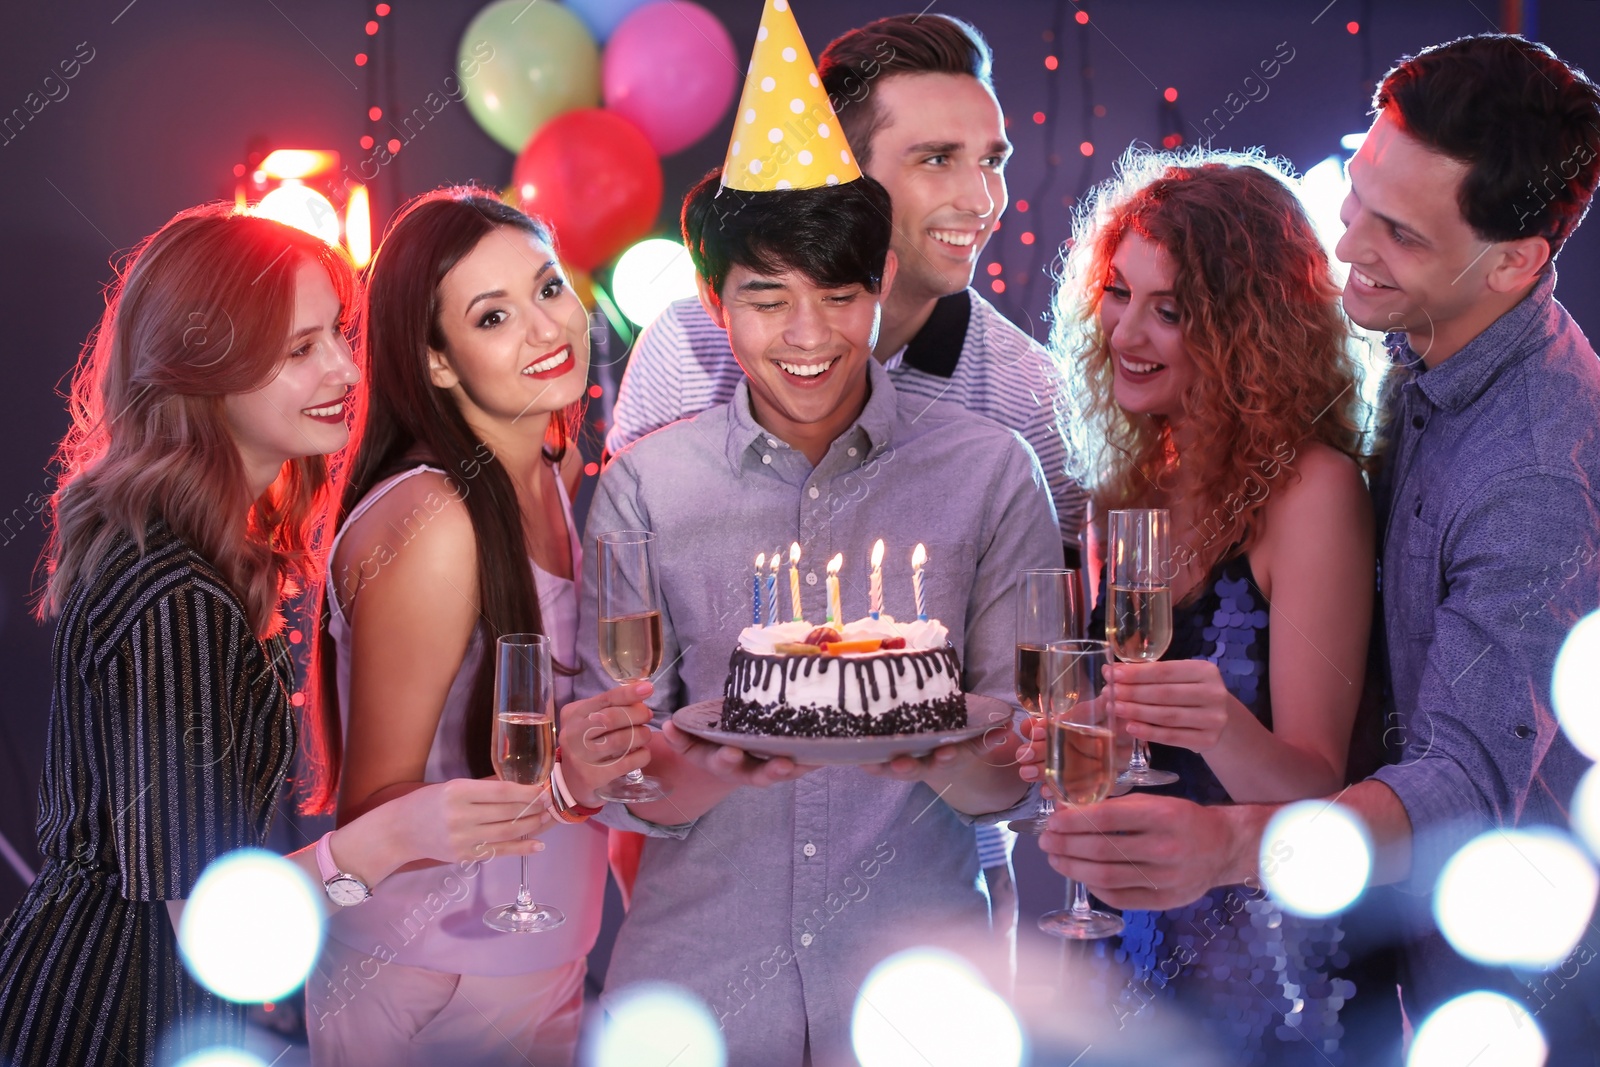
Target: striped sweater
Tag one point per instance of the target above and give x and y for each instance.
(168, 741)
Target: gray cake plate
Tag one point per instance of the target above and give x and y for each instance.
(983, 713)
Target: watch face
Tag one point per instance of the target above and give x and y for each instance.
(345, 891)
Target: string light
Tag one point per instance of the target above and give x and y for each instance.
(1083, 18)
(994, 270)
(374, 113)
(1087, 148)
(1051, 62)
(1352, 27)
(1022, 205)
(1171, 95)
(1038, 118)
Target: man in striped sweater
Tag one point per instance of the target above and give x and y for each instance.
(916, 101)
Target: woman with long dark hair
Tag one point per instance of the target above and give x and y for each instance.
(193, 483)
(1200, 326)
(456, 527)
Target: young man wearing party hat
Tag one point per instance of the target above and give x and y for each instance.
(768, 889)
(914, 95)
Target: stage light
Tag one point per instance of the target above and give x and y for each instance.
(297, 163)
(1315, 858)
(305, 188)
(651, 275)
(1479, 1028)
(358, 225)
(1575, 684)
(1323, 189)
(303, 208)
(1518, 898)
(252, 927)
(656, 1022)
(930, 1007)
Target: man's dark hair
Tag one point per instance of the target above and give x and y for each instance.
(1526, 125)
(836, 235)
(902, 44)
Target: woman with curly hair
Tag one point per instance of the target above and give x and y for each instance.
(1205, 346)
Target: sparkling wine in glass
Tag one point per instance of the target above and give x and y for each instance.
(1139, 609)
(1079, 763)
(630, 634)
(1048, 609)
(524, 751)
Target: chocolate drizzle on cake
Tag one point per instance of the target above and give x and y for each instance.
(751, 674)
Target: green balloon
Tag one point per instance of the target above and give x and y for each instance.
(523, 64)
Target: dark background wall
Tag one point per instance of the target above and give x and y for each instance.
(175, 90)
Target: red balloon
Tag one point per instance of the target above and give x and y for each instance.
(593, 177)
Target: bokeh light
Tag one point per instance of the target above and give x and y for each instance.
(655, 1022)
(1575, 685)
(221, 1056)
(651, 275)
(303, 208)
(1479, 1028)
(930, 1008)
(252, 927)
(1586, 810)
(1316, 858)
(1516, 897)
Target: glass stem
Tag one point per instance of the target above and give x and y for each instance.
(1140, 759)
(524, 898)
(633, 777)
(1080, 897)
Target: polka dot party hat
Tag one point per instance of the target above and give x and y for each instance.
(785, 135)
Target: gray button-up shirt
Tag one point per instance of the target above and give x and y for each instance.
(773, 906)
(1490, 531)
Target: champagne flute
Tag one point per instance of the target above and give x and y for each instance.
(1139, 614)
(1079, 760)
(524, 752)
(1048, 609)
(630, 635)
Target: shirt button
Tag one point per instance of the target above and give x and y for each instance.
(810, 850)
(811, 579)
(813, 492)
(1418, 421)
(1522, 731)
(851, 452)
(772, 442)
(1417, 511)
(766, 459)
(805, 939)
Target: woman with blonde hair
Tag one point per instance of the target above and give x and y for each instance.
(193, 483)
(1206, 350)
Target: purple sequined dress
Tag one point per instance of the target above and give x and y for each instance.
(1266, 987)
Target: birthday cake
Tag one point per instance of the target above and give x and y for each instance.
(867, 678)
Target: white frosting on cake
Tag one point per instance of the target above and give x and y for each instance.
(930, 679)
(919, 634)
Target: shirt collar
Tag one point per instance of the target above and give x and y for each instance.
(1461, 379)
(936, 348)
(875, 425)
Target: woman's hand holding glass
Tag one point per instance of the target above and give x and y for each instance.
(603, 738)
(1181, 703)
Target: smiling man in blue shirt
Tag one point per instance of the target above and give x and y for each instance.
(1482, 161)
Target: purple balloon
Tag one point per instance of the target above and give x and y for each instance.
(670, 68)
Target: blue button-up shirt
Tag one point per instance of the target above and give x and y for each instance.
(773, 906)
(1490, 531)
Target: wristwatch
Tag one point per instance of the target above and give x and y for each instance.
(343, 889)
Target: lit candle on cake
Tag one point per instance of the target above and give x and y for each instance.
(794, 580)
(761, 563)
(876, 591)
(918, 558)
(772, 589)
(835, 616)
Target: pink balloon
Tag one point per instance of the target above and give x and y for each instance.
(671, 70)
